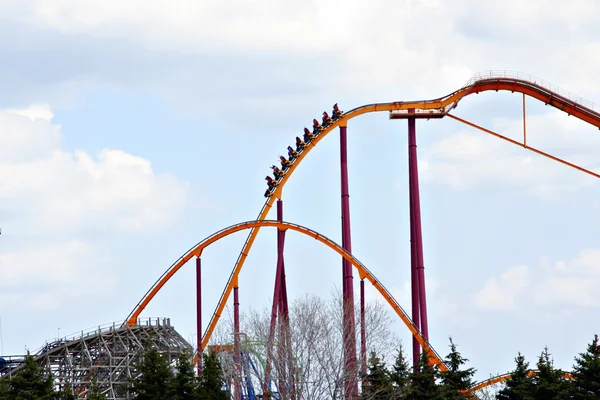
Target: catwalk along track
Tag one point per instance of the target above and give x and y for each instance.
(422, 109)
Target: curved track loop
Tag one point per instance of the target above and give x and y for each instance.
(363, 272)
(491, 81)
(440, 107)
(501, 378)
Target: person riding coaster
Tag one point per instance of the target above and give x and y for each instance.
(277, 173)
(308, 136)
(271, 182)
(300, 145)
(337, 113)
(326, 119)
(292, 153)
(285, 164)
(317, 128)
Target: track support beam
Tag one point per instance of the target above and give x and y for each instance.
(348, 328)
(363, 331)
(280, 314)
(199, 314)
(236, 342)
(524, 123)
(419, 300)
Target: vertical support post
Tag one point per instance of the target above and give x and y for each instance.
(276, 291)
(279, 312)
(524, 123)
(349, 333)
(284, 350)
(416, 231)
(414, 277)
(236, 343)
(199, 314)
(363, 330)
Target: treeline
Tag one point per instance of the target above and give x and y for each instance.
(33, 383)
(157, 380)
(544, 382)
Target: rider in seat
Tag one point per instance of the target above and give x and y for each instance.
(285, 164)
(308, 136)
(292, 153)
(300, 145)
(326, 119)
(316, 127)
(271, 182)
(277, 173)
(337, 113)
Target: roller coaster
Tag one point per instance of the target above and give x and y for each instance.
(416, 322)
(411, 110)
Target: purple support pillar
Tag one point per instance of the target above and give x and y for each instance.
(276, 291)
(284, 323)
(199, 314)
(350, 370)
(236, 341)
(418, 267)
(363, 330)
(279, 310)
(414, 276)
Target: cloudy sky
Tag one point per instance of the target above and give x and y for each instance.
(130, 130)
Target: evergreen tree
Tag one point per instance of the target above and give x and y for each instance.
(377, 383)
(4, 390)
(586, 372)
(549, 383)
(65, 394)
(94, 393)
(185, 384)
(456, 380)
(211, 381)
(519, 386)
(423, 381)
(155, 380)
(32, 383)
(400, 374)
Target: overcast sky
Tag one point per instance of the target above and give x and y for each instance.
(130, 130)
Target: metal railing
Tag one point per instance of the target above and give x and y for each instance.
(100, 329)
(500, 74)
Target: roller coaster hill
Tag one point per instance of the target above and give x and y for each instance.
(110, 353)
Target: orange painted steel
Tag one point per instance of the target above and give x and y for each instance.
(363, 272)
(542, 153)
(441, 106)
(501, 378)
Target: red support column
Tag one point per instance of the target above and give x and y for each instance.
(363, 330)
(236, 343)
(349, 332)
(279, 311)
(414, 277)
(199, 314)
(274, 313)
(417, 264)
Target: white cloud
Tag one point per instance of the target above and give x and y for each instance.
(560, 285)
(51, 198)
(500, 293)
(49, 188)
(420, 48)
(51, 276)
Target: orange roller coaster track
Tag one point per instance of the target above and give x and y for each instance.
(363, 272)
(437, 108)
(493, 81)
